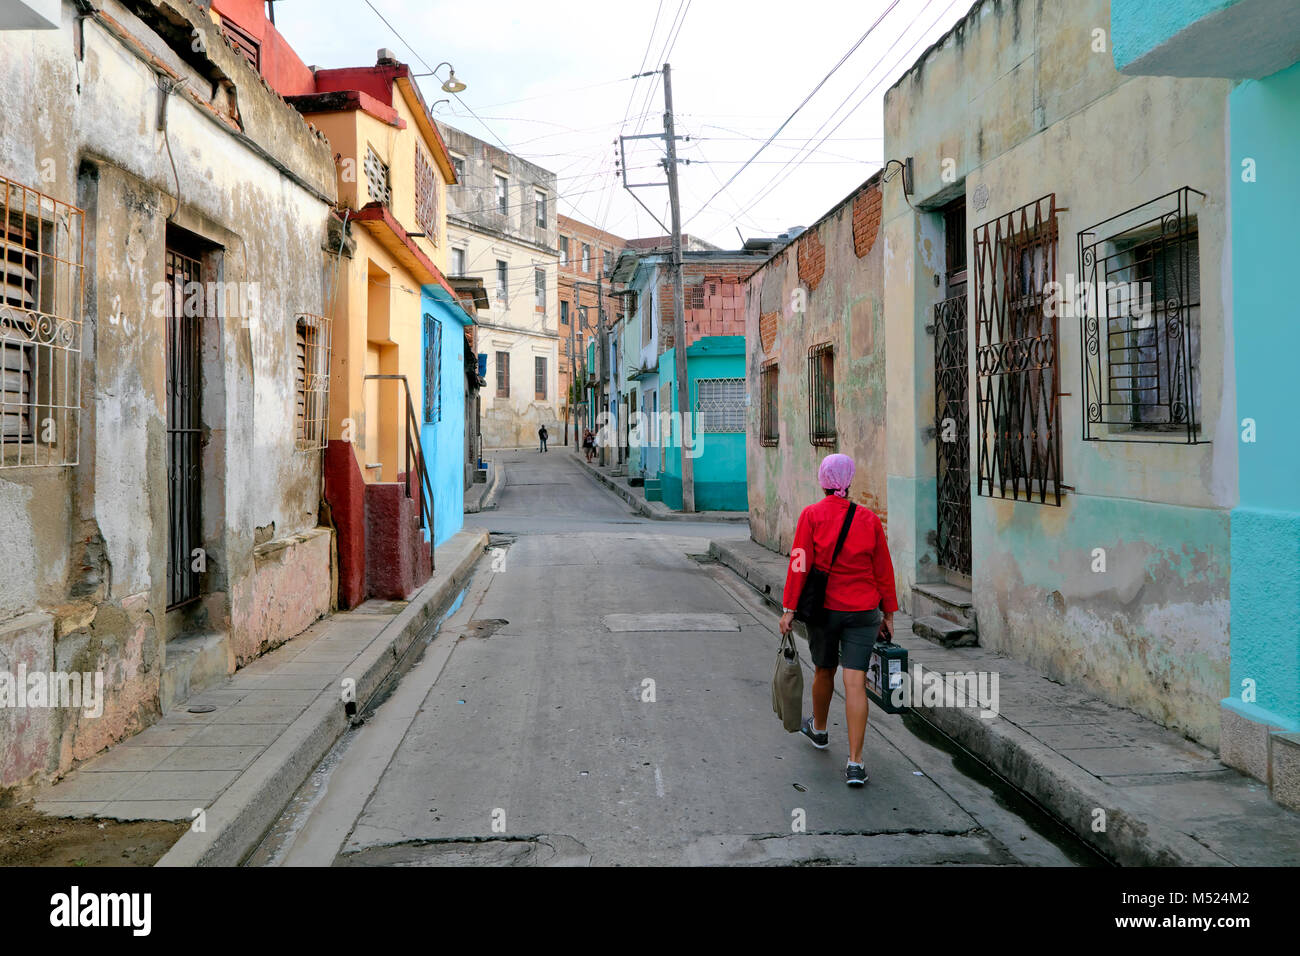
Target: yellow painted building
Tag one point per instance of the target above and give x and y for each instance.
(393, 171)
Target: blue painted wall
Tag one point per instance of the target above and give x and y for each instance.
(1139, 26)
(1265, 127)
(444, 440)
(719, 471)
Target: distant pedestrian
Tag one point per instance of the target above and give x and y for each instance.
(860, 603)
(541, 433)
(589, 444)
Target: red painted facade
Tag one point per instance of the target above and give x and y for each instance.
(278, 63)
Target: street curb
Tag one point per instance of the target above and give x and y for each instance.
(487, 499)
(495, 484)
(239, 818)
(1065, 790)
(656, 510)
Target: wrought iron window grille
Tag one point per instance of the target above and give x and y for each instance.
(41, 292)
(821, 395)
(769, 433)
(1139, 323)
(312, 355)
(952, 434)
(1016, 355)
(720, 404)
(432, 369)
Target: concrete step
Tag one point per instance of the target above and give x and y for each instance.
(946, 601)
(944, 632)
(193, 662)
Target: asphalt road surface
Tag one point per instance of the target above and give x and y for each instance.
(601, 695)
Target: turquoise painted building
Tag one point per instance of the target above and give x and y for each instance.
(442, 407)
(1255, 42)
(715, 368)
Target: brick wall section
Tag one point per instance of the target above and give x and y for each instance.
(767, 323)
(724, 302)
(812, 259)
(866, 221)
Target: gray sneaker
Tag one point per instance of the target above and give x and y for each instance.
(819, 740)
(855, 776)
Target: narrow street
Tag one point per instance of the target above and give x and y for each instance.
(600, 694)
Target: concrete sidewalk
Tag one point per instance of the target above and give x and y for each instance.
(1162, 799)
(635, 496)
(274, 719)
(482, 496)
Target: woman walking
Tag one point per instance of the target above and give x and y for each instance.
(860, 603)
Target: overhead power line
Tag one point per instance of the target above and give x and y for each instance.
(820, 84)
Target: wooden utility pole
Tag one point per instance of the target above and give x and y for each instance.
(679, 299)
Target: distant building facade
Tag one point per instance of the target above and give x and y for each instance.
(501, 227)
(587, 255)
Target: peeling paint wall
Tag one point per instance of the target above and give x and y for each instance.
(845, 307)
(1018, 101)
(252, 184)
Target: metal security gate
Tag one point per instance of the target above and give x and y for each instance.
(184, 463)
(952, 427)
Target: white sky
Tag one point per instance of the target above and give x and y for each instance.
(551, 80)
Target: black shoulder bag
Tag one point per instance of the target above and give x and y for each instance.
(812, 599)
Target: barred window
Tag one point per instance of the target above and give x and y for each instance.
(1017, 375)
(312, 379)
(41, 288)
(432, 369)
(720, 404)
(539, 287)
(458, 262)
(695, 296)
(564, 250)
(539, 200)
(503, 375)
(539, 377)
(1140, 304)
(426, 196)
(821, 395)
(586, 257)
(377, 183)
(769, 423)
(458, 166)
(564, 313)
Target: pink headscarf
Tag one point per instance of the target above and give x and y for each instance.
(836, 473)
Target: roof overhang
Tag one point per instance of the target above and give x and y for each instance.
(474, 286)
(378, 220)
(423, 119)
(339, 101)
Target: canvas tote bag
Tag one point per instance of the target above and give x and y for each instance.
(787, 685)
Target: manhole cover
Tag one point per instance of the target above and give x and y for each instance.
(670, 622)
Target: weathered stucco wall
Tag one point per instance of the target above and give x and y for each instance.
(91, 540)
(1017, 102)
(516, 325)
(844, 305)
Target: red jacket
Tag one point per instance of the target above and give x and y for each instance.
(863, 575)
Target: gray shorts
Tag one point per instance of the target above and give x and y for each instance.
(846, 640)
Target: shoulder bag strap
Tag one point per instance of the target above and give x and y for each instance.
(844, 533)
